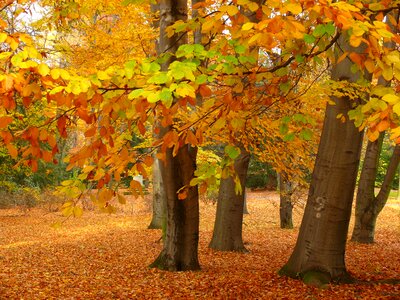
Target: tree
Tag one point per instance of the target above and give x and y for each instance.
(286, 189)
(159, 199)
(368, 206)
(318, 256)
(227, 234)
(179, 252)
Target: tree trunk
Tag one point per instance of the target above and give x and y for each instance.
(368, 206)
(180, 250)
(158, 220)
(245, 209)
(182, 233)
(286, 188)
(227, 235)
(319, 254)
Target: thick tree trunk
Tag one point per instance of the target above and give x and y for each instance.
(227, 235)
(180, 250)
(158, 220)
(368, 206)
(181, 240)
(286, 189)
(319, 254)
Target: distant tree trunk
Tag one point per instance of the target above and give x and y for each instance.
(227, 235)
(245, 209)
(319, 254)
(159, 199)
(180, 250)
(286, 189)
(368, 206)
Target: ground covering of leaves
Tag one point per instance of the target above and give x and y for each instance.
(102, 256)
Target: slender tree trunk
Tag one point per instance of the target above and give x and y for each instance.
(227, 235)
(245, 209)
(319, 254)
(368, 206)
(286, 189)
(180, 250)
(159, 199)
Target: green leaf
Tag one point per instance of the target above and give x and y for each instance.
(319, 30)
(289, 137)
(232, 151)
(240, 49)
(158, 78)
(135, 94)
(309, 39)
(283, 128)
(330, 28)
(306, 134)
(201, 79)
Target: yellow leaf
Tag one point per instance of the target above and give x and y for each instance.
(355, 41)
(55, 73)
(294, 8)
(3, 37)
(254, 38)
(391, 99)
(208, 26)
(387, 73)
(43, 69)
(253, 6)
(247, 26)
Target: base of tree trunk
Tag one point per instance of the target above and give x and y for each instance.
(154, 225)
(232, 246)
(166, 263)
(317, 278)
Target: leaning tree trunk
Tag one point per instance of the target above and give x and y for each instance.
(286, 188)
(158, 219)
(368, 206)
(227, 235)
(180, 249)
(319, 253)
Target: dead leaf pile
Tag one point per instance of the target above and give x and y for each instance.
(102, 256)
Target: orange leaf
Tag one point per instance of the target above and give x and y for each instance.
(205, 91)
(382, 125)
(4, 121)
(12, 150)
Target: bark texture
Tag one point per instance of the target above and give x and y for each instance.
(286, 189)
(368, 206)
(227, 235)
(180, 249)
(182, 233)
(319, 253)
(158, 220)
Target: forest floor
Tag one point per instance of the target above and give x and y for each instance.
(100, 256)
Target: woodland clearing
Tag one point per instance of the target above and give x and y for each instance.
(100, 256)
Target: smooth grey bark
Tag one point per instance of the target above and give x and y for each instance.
(180, 249)
(286, 189)
(227, 235)
(159, 199)
(368, 206)
(319, 253)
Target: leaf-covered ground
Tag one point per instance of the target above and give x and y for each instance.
(102, 256)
